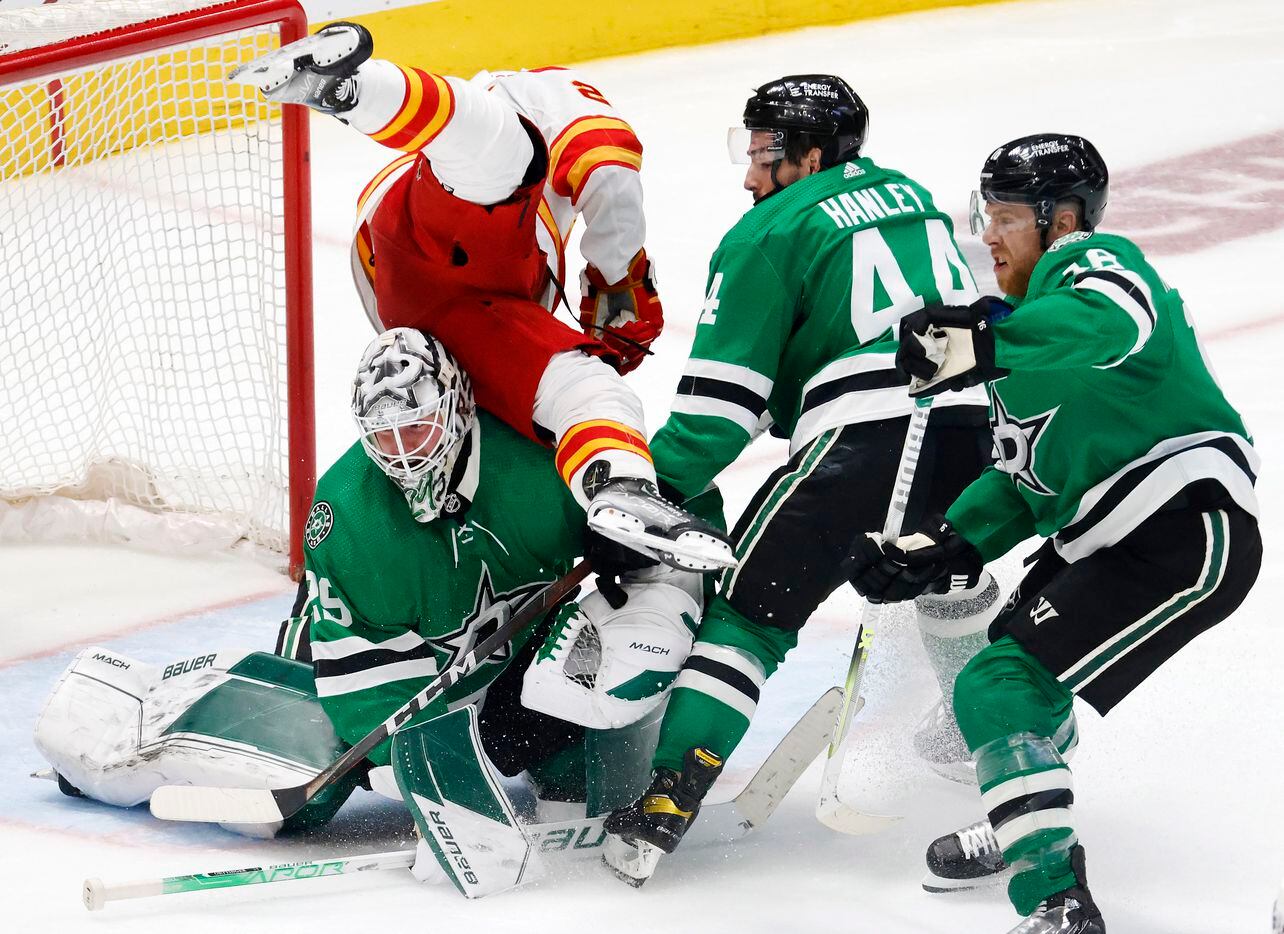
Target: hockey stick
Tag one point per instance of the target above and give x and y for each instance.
(577, 839)
(97, 894)
(831, 810)
(268, 805)
(779, 772)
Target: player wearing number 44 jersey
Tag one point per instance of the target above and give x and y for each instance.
(1118, 447)
(797, 331)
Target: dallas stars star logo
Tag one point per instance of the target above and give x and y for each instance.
(1015, 443)
(490, 610)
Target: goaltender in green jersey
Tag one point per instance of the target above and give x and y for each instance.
(422, 539)
(1119, 448)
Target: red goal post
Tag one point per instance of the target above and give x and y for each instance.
(156, 289)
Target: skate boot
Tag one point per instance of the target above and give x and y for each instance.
(639, 834)
(939, 742)
(966, 859)
(318, 71)
(1070, 912)
(666, 809)
(631, 512)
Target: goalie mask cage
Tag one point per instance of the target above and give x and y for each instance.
(155, 287)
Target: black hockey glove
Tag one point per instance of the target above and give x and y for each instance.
(936, 560)
(947, 347)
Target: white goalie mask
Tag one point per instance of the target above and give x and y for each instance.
(413, 406)
(605, 668)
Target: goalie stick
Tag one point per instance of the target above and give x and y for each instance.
(576, 839)
(268, 805)
(831, 810)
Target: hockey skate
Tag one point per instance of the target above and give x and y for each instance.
(656, 822)
(966, 859)
(1070, 912)
(939, 743)
(631, 512)
(316, 71)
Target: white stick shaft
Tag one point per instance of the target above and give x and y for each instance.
(896, 507)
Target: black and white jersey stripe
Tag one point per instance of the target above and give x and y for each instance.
(863, 387)
(351, 664)
(724, 390)
(1121, 502)
(1130, 293)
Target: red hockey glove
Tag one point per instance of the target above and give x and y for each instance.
(624, 315)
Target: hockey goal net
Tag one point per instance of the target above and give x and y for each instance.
(155, 287)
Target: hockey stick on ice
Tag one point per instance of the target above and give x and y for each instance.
(268, 805)
(779, 772)
(97, 894)
(831, 810)
(723, 821)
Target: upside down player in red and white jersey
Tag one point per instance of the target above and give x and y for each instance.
(465, 237)
(498, 170)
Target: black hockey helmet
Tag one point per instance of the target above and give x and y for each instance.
(822, 106)
(1041, 170)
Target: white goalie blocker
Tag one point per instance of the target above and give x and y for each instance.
(115, 729)
(606, 668)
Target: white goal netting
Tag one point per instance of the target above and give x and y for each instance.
(142, 288)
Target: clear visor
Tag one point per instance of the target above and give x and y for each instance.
(1005, 217)
(756, 146)
(410, 444)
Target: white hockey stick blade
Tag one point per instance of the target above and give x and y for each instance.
(837, 815)
(787, 762)
(831, 810)
(215, 805)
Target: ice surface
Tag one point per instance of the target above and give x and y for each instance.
(1178, 790)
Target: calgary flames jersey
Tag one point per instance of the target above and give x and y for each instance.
(591, 159)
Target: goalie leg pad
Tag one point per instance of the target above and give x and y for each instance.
(116, 728)
(463, 814)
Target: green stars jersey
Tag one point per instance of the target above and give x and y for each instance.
(1110, 411)
(804, 293)
(392, 602)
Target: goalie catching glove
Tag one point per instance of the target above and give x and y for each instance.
(950, 347)
(625, 315)
(937, 560)
(605, 667)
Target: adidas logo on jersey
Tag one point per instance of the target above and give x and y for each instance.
(852, 170)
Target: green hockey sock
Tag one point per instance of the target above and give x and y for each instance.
(715, 694)
(1027, 790)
